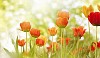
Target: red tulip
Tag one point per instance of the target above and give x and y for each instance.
(25, 26)
(35, 32)
(92, 48)
(67, 40)
(98, 44)
(94, 18)
(21, 42)
(39, 42)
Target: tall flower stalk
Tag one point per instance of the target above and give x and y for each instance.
(96, 43)
(61, 42)
(86, 11)
(25, 26)
(62, 22)
(26, 41)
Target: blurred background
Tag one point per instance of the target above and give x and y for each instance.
(41, 14)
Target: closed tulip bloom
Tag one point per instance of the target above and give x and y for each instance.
(52, 31)
(79, 31)
(87, 10)
(98, 44)
(35, 32)
(93, 48)
(63, 14)
(39, 42)
(98, 7)
(25, 26)
(90, 9)
(94, 18)
(43, 38)
(61, 22)
(21, 42)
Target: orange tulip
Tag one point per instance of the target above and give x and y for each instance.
(35, 32)
(25, 26)
(79, 31)
(39, 42)
(21, 42)
(63, 14)
(52, 31)
(43, 38)
(61, 22)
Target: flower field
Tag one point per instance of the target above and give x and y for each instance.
(62, 38)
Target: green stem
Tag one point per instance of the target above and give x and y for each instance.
(30, 44)
(26, 41)
(23, 48)
(89, 29)
(52, 43)
(96, 44)
(61, 43)
(43, 52)
(78, 47)
(52, 46)
(96, 34)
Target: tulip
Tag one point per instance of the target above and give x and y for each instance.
(52, 31)
(21, 42)
(87, 10)
(61, 22)
(98, 44)
(94, 18)
(79, 31)
(92, 48)
(35, 32)
(63, 14)
(43, 38)
(25, 26)
(98, 7)
(39, 42)
(67, 40)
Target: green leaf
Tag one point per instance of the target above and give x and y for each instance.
(16, 47)
(12, 41)
(9, 53)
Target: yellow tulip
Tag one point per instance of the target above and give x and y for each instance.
(87, 10)
(90, 9)
(98, 7)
